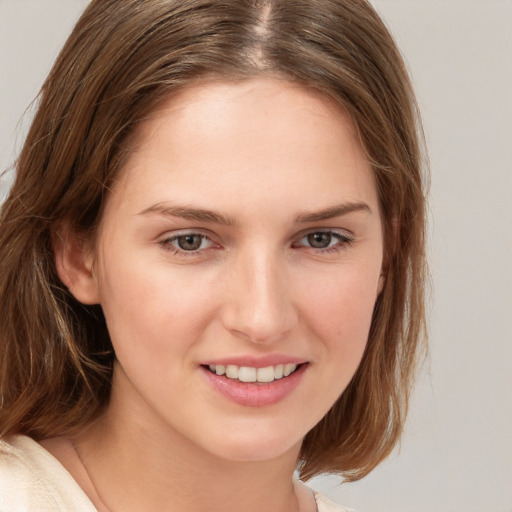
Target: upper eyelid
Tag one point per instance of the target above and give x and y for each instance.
(342, 237)
(173, 234)
(335, 231)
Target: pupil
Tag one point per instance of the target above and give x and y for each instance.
(319, 240)
(189, 242)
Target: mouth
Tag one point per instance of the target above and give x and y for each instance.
(255, 386)
(248, 374)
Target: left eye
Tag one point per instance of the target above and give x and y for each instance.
(189, 242)
(323, 239)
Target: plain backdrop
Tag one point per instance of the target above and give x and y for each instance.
(456, 455)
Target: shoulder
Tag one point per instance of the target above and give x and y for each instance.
(32, 479)
(326, 505)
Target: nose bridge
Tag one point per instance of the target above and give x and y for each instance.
(259, 305)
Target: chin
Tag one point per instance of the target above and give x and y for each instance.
(256, 447)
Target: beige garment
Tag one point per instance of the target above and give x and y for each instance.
(32, 480)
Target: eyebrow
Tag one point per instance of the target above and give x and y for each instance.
(333, 211)
(210, 216)
(189, 213)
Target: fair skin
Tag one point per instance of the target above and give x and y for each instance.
(244, 231)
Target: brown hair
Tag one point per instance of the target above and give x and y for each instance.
(121, 59)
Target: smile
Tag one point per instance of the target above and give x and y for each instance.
(255, 386)
(251, 374)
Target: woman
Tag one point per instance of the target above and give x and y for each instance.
(212, 259)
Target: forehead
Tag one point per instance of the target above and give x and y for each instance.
(259, 139)
(211, 107)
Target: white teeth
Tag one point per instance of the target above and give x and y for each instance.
(289, 368)
(232, 371)
(250, 374)
(265, 374)
(246, 374)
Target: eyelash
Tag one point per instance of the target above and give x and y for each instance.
(343, 241)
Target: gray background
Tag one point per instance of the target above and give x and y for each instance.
(457, 452)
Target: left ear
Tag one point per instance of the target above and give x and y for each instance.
(74, 260)
(381, 282)
(390, 247)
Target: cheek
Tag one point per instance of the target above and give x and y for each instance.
(148, 308)
(337, 314)
(339, 311)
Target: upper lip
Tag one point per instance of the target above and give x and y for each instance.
(255, 361)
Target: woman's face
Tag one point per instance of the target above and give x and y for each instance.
(242, 236)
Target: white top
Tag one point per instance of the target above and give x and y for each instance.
(31, 479)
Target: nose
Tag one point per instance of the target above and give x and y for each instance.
(258, 305)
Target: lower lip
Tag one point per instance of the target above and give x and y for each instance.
(251, 394)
